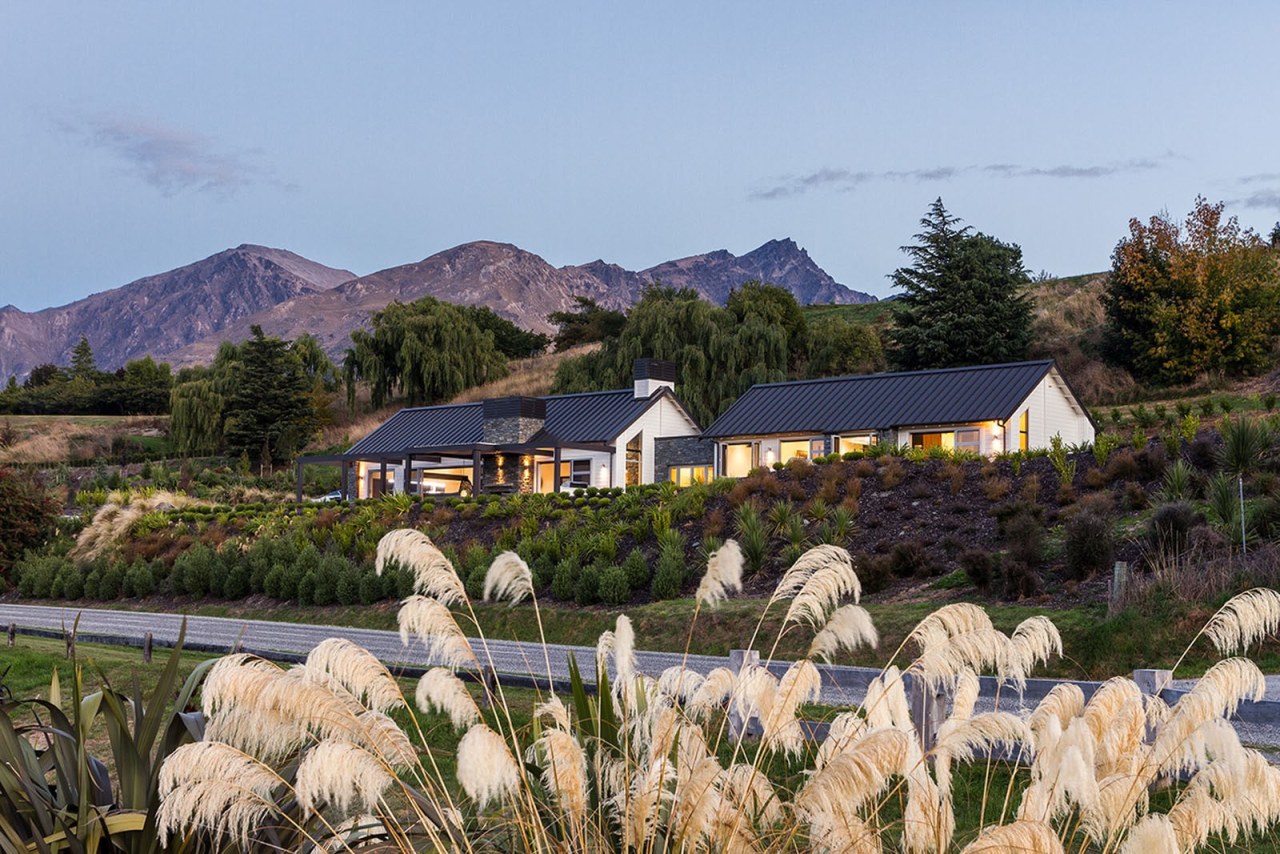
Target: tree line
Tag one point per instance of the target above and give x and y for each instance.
(141, 387)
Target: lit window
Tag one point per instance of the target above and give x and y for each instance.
(968, 440)
(737, 460)
(1024, 430)
(844, 444)
(933, 440)
(801, 448)
(689, 475)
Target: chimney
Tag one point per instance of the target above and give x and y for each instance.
(510, 420)
(652, 375)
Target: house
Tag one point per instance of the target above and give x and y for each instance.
(529, 444)
(986, 409)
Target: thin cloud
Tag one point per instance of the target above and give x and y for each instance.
(1265, 199)
(174, 160)
(845, 180)
(1260, 177)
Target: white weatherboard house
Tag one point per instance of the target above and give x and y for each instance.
(987, 409)
(530, 444)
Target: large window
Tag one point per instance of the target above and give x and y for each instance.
(689, 475)
(737, 460)
(945, 439)
(805, 449)
(1024, 430)
(860, 442)
(969, 440)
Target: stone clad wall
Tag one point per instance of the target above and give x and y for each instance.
(680, 451)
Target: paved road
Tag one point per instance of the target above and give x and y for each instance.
(507, 656)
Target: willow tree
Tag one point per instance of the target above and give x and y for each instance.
(424, 351)
(195, 417)
(717, 355)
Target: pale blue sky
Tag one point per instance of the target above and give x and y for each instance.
(137, 137)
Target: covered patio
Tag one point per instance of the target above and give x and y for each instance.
(537, 465)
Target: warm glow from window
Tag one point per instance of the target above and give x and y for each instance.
(737, 460)
(1024, 430)
(798, 448)
(689, 475)
(934, 440)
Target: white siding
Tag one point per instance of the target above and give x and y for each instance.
(662, 420)
(1054, 411)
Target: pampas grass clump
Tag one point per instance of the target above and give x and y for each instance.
(290, 755)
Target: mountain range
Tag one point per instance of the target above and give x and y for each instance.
(181, 316)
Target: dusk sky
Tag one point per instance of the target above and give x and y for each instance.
(138, 137)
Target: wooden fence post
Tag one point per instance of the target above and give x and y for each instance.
(146, 647)
(71, 644)
(13, 634)
(739, 659)
(1118, 587)
(489, 682)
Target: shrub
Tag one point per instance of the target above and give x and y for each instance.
(615, 586)
(1206, 407)
(1179, 482)
(138, 581)
(1170, 527)
(1030, 491)
(1122, 466)
(565, 580)
(587, 589)
(910, 558)
(235, 584)
(891, 474)
(981, 567)
(35, 574)
(1090, 545)
(195, 570)
(307, 588)
(996, 488)
(1024, 535)
(636, 568)
(29, 513)
(668, 580)
(370, 588)
(111, 582)
(1134, 497)
(1244, 442)
(1021, 581)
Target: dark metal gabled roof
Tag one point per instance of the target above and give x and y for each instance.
(424, 426)
(594, 416)
(590, 417)
(881, 401)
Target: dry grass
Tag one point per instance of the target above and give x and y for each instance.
(63, 438)
(1068, 321)
(529, 377)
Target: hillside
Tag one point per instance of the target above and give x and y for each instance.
(162, 313)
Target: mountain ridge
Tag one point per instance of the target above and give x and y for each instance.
(181, 316)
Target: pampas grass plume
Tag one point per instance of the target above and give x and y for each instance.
(431, 621)
(212, 786)
(486, 770)
(441, 690)
(723, 575)
(1244, 620)
(356, 670)
(1024, 837)
(508, 579)
(433, 574)
(848, 628)
(340, 774)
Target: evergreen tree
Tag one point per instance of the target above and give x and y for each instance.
(83, 365)
(965, 299)
(269, 414)
(195, 417)
(586, 324)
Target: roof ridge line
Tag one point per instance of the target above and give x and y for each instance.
(886, 374)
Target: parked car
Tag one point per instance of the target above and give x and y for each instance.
(329, 497)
